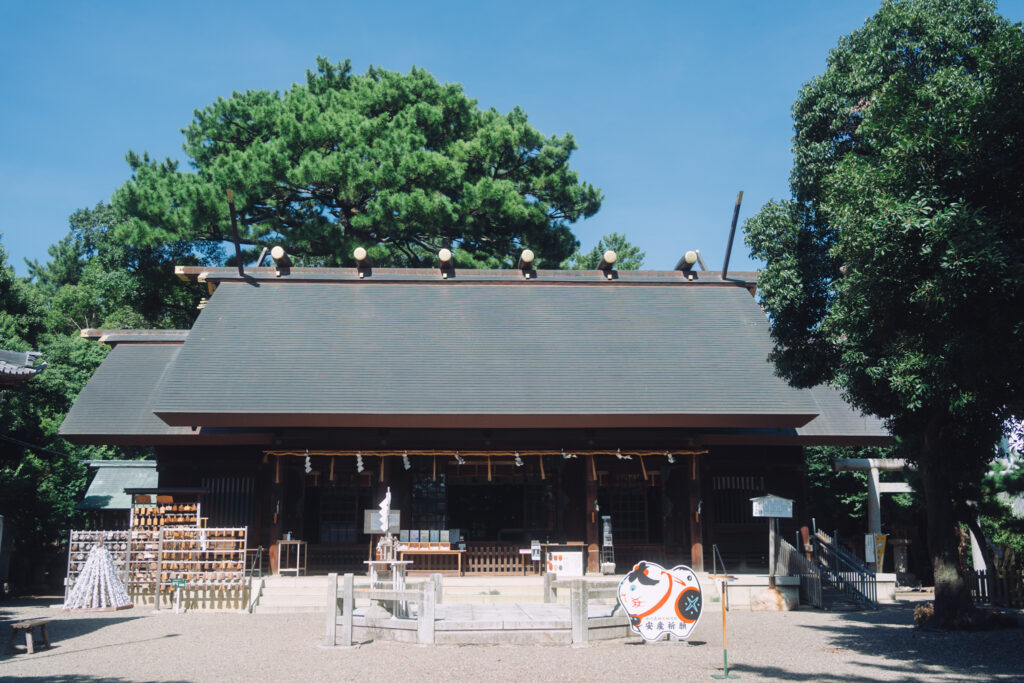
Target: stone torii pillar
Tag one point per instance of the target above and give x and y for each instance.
(875, 487)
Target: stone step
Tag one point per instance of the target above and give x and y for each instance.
(281, 600)
(288, 609)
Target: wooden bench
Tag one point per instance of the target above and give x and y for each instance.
(27, 627)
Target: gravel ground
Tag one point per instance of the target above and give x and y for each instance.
(806, 645)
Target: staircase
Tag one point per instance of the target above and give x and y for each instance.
(293, 594)
(835, 600)
(846, 583)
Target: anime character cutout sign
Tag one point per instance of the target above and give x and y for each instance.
(660, 601)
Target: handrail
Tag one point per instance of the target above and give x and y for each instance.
(842, 552)
(256, 564)
(845, 572)
(790, 561)
(716, 557)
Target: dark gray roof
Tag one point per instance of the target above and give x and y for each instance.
(837, 418)
(117, 400)
(116, 406)
(106, 492)
(286, 353)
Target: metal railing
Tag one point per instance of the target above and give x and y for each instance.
(254, 562)
(791, 562)
(844, 571)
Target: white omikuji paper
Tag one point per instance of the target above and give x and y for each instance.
(385, 512)
(98, 585)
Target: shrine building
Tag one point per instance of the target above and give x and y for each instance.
(500, 407)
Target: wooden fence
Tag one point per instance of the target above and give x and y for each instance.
(495, 558)
(1004, 589)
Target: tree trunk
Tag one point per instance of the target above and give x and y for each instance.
(953, 603)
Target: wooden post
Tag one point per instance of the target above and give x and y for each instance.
(578, 598)
(425, 625)
(159, 567)
(772, 522)
(276, 517)
(438, 581)
(593, 559)
(348, 608)
(332, 610)
(696, 514)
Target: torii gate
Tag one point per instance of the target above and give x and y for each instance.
(875, 490)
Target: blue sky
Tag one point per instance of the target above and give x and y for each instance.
(675, 106)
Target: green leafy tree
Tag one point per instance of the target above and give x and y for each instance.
(397, 163)
(897, 269)
(95, 279)
(629, 257)
(40, 484)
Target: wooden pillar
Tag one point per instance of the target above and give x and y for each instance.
(593, 555)
(275, 478)
(696, 515)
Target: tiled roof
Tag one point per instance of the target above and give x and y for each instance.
(288, 353)
(106, 491)
(18, 366)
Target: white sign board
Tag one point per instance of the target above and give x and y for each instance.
(772, 506)
(564, 561)
(371, 522)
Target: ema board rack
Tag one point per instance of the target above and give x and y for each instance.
(80, 543)
(146, 517)
(202, 558)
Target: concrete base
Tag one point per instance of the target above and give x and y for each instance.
(746, 592)
(886, 586)
(772, 600)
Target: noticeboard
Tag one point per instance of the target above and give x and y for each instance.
(371, 522)
(772, 506)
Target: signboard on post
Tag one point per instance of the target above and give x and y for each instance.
(874, 549)
(772, 506)
(371, 522)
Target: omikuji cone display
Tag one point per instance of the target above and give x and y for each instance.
(98, 586)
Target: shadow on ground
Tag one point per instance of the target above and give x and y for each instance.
(889, 635)
(78, 678)
(64, 625)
